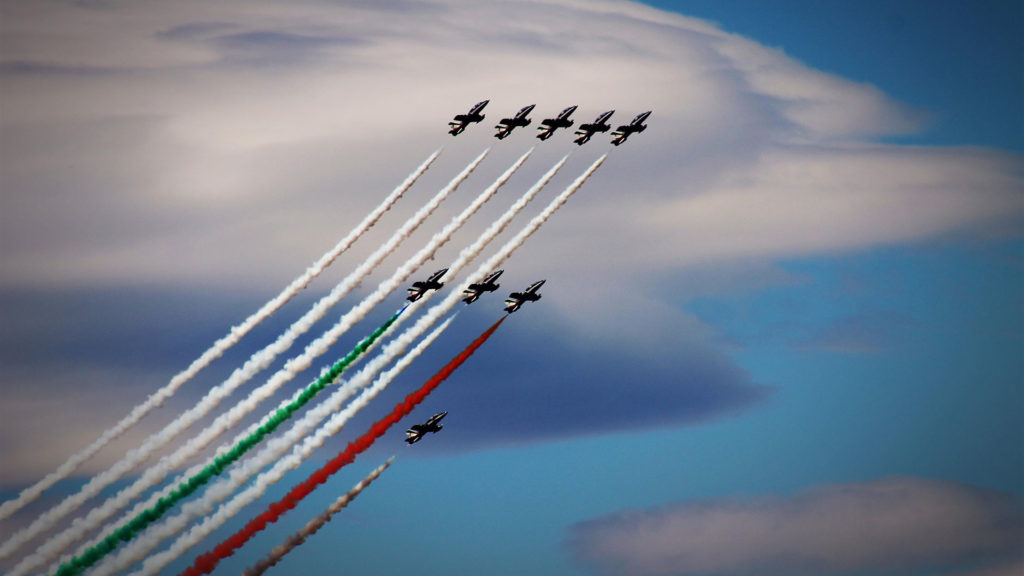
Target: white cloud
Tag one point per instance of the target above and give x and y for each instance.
(897, 523)
(176, 132)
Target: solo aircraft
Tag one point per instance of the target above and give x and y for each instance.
(460, 121)
(417, 431)
(516, 299)
(636, 125)
(600, 125)
(552, 124)
(420, 288)
(507, 125)
(474, 291)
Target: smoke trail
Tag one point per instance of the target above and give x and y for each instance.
(155, 473)
(240, 410)
(253, 365)
(314, 525)
(205, 563)
(142, 547)
(186, 488)
(391, 351)
(216, 351)
(330, 406)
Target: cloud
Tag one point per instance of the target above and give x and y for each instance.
(543, 379)
(85, 347)
(899, 524)
(750, 153)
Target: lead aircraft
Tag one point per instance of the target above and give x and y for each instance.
(516, 299)
(636, 125)
(460, 121)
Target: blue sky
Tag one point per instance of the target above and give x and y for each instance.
(959, 63)
(795, 296)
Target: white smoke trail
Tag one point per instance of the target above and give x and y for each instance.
(226, 421)
(141, 547)
(252, 366)
(157, 399)
(318, 413)
(314, 525)
(274, 450)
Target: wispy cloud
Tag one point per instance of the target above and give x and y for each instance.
(898, 523)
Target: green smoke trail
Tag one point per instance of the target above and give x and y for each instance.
(144, 519)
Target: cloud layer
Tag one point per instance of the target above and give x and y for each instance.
(893, 524)
(155, 142)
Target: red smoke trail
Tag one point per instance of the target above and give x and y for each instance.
(205, 563)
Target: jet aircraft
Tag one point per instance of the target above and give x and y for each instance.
(420, 288)
(636, 125)
(507, 125)
(552, 124)
(588, 130)
(474, 291)
(414, 434)
(460, 121)
(516, 299)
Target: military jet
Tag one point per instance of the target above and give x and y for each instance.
(475, 290)
(507, 125)
(552, 124)
(460, 121)
(516, 299)
(420, 288)
(636, 125)
(588, 130)
(417, 431)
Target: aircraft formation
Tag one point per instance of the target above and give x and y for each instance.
(514, 301)
(50, 538)
(550, 125)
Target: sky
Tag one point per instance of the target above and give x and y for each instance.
(781, 331)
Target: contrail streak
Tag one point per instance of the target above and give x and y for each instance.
(311, 419)
(321, 345)
(205, 563)
(314, 525)
(216, 351)
(338, 419)
(141, 549)
(185, 489)
(253, 365)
